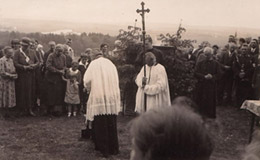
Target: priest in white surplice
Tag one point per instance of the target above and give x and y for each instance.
(103, 105)
(154, 85)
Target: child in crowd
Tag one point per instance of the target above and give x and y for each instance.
(73, 79)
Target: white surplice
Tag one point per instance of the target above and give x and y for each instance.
(156, 88)
(102, 79)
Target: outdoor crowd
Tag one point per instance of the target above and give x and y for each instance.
(164, 129)
(226, 76)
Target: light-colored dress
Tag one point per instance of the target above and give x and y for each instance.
(156, 89)
(72, 88)
(7, 84)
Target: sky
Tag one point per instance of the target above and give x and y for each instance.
(233, 13)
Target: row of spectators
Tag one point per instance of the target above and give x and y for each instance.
(239, 64)
(31, 77)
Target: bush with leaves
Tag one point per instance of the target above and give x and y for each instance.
(127, 68)
(180, 75)
(180, 71)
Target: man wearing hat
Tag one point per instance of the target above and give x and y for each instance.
(70, 50)
(103, 105)
(243, 74)
(15, 44)
(149, 48)
(25, 62)
(227, 79)
(117, 51)
(52, 45)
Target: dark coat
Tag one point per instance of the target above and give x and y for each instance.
(25, 83)
(205, 93)
(256, 77)
(55, 84)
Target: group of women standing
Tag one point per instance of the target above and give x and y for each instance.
(29, 78)
(17, 74)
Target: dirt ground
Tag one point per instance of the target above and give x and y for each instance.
(57, 138)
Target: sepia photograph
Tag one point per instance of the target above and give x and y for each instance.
(129, 80)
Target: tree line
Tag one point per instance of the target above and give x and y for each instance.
(79, 42)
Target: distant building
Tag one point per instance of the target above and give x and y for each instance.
(4, 28)
(62, 32)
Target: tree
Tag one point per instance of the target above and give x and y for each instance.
(180, 71)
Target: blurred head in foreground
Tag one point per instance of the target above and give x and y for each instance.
(171, 133)
(183, 101)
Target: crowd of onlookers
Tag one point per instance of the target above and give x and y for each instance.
(38, 82)
(34, 82)
(32, 77)
(238, 77)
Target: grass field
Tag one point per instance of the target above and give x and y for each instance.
(57, 138)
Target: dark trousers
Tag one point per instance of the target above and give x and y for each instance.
(225, 87)
(105, 134)
(244, 91)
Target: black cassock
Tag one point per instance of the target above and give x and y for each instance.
(205, 93)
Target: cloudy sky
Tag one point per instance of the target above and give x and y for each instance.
(237, 13)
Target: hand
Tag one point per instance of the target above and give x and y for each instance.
(208, 76)
(241, 74)
(227, 67)
(14, 76)
(27, 67)
(33, 65)
(3, 75)
(62, 72)
(87, 89)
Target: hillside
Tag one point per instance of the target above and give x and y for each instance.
(213, 34)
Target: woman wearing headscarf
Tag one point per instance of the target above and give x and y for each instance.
(55, 69)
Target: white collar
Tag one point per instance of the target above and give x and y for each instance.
(74, 72)
(85, 65)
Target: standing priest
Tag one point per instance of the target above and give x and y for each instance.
(101, 79)
(207, 72)
(154, 85)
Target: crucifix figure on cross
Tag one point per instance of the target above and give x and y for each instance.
(142, 13)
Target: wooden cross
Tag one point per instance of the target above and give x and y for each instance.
(142, 13)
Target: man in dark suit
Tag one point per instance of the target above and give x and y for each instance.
(254, 48)
(149, 48)
(243, 72)
(226, 81)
